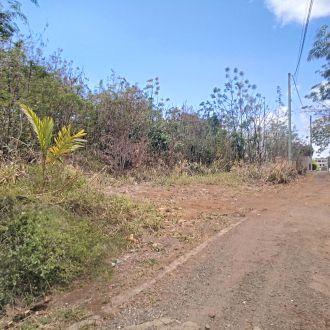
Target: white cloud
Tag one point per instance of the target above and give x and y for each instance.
(288, 11)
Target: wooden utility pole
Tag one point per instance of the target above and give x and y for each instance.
(310, 141)
(310, 131)
(289, 119)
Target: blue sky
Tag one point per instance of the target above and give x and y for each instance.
(186, 43)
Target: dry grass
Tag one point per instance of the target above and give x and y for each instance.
(278, 172)
(10, 172)
(57, 319)
(224, 179)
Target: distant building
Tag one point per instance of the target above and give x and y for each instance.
(322, 164)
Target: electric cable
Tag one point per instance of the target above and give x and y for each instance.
(304, 36)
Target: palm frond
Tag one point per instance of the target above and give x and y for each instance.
(42, 127)
(66, 143)
(32, 118)
(46, 132)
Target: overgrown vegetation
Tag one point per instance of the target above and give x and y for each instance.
(276, 173)
(49, 238)
(131, 128)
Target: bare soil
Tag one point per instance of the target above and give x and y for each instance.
(272, 271)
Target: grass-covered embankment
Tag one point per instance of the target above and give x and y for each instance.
(51, 233)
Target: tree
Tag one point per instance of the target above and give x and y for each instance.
(240, 112)
(320, 93)
(8, 14)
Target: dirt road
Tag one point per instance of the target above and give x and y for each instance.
(270, 272)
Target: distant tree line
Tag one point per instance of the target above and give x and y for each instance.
(129, 127)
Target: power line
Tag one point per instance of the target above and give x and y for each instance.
(304, 36)
(295, 85)
(302, 30)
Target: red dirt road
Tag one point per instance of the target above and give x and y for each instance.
(270, 272)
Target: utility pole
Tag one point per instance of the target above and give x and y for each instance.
(310, 131)
(310, 141)
(289, 119)
(264, 131)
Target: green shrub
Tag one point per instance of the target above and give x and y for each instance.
(41, 247)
